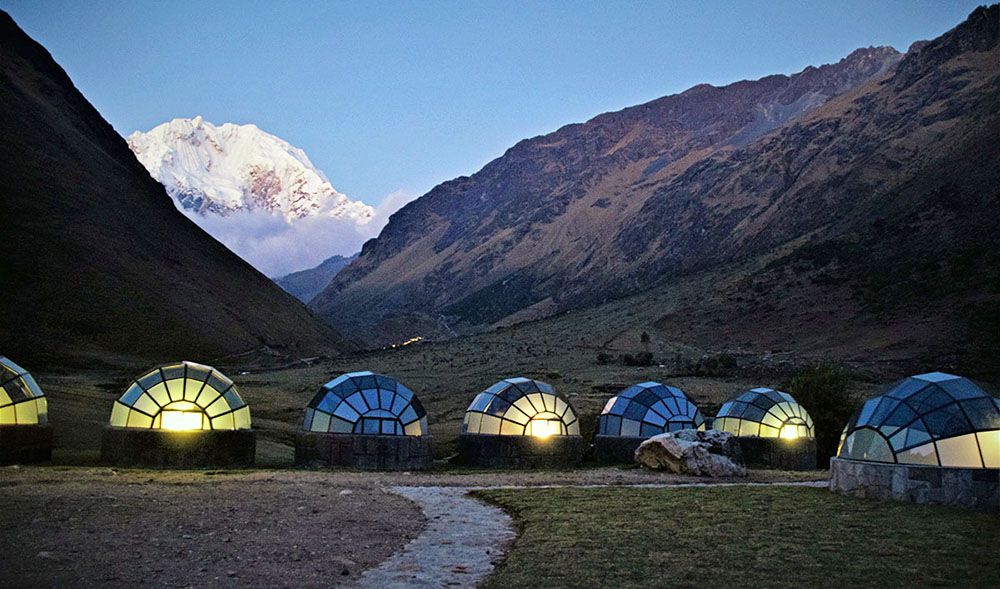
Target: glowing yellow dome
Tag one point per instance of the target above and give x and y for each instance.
(184, 396)
(764, 413)
(21, 400)
(521, 407)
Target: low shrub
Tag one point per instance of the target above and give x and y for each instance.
(822, 390)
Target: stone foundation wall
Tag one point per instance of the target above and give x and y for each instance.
(519, 451)
(178, 449)
(21, 444)
(615, 449)
(367, 452)
(780, 453)
(975, 488)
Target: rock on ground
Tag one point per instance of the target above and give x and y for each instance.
(709, 453)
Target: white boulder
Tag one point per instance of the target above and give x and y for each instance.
(709, 453)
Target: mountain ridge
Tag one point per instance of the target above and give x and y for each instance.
(227, 168)
(98, 264)
(865, 223)
(306, 284)
(489, 216)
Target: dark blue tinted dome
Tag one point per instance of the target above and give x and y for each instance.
(648, 409)
(934, 419)
(366, 403)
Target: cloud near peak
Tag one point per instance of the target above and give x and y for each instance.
(277, 246)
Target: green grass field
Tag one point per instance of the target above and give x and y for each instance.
(746, 536)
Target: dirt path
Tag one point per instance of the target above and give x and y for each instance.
(463, 541)
(84, 526)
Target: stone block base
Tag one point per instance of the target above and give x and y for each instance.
(157, 448)
(780, 453)
(21, 444)
(366, 452)
(519, 451)
(615, 449)
(974, 488)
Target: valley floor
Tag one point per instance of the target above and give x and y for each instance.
(596, 527)
(739, 536)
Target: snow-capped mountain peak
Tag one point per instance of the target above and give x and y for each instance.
(223, 169)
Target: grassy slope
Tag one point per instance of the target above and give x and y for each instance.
(753, 537)
(561, 350)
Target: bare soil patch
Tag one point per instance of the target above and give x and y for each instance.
(84, 527)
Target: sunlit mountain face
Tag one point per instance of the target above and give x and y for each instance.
(259, 195)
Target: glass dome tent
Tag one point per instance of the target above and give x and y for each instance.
(520, 407)
(366, 403)
(182, 396)
(934, 419)
(647, 409)
(25, 435)
(367, 421)
(22, 402)
(180, 415)
(764, 413)
(520, 423)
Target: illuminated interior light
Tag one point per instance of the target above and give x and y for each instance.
(543, 428)
(180, 420)
(790, 431)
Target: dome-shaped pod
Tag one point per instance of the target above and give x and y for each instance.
(637, 413)
(772, 429)
(764, 413)
(22, 402)
(366, 403)
(25, 435)
(521, 407)
(180, 415)
(182, 396)
(519, 422)
(365, 420)
(932, 419)
(647, 409)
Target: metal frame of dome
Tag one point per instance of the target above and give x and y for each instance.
(368, 404)
(175, 396)
(933, 419)
(22, 401)
(520, 407)
(764, 413)
(648, 409)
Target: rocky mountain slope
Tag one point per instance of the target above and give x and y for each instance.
(877, 174)
(306, 284)
(507, 240)
(229, 168)
(96, 261)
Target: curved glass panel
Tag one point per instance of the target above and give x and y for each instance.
(21, 400)
(935, 419)
(182, 396)
(648, 409)
(764, 413)
(366, 403)
(520, 407)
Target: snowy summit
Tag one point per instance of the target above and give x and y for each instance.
(229, 168)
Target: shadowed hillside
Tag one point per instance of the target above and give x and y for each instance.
(306, 284)
(862, 194)
(95, 260)
(537, 230)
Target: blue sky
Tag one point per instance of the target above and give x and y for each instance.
(397, 96)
